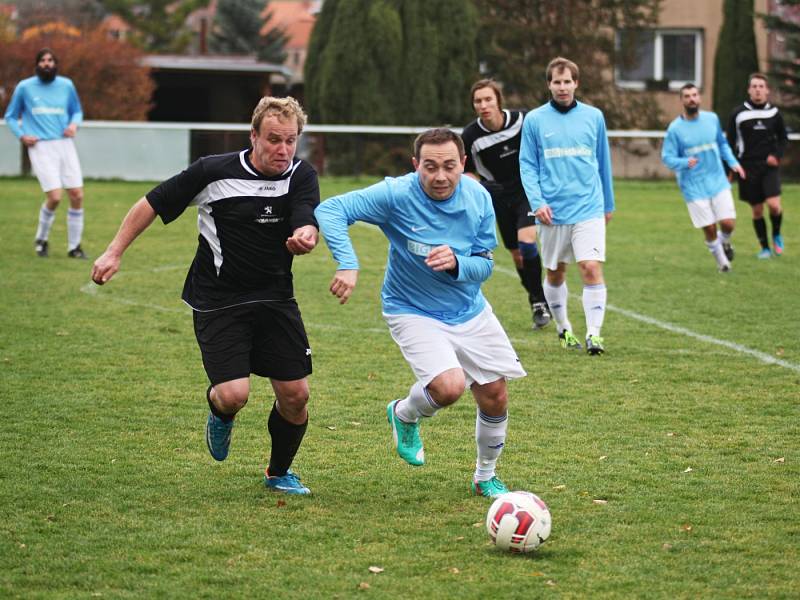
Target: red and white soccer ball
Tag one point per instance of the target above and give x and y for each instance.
(518, 522)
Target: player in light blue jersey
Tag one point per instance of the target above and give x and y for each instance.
(441, 233)
(694, 148)
(565, 164)
(44, 113)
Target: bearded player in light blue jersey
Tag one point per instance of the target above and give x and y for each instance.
(565, 164)
(44, 113)
(441, 232)
(694, 148)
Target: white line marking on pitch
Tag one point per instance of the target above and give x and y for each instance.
(762, 356)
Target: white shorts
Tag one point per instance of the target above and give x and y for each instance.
(55, 164)
(712, 210)
(572, 243)
(479, 347)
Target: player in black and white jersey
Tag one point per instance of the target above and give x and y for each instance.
(757, 134)
(492, 145)
(255, 213)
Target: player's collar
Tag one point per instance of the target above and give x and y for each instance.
(563, 109)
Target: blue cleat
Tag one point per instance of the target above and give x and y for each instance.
(287, 484)
(406, 437)
(764, 254)
(494, 488)
(218, 436)
(777, 244)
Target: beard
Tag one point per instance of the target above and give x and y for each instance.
(692, 109)
(46, 75)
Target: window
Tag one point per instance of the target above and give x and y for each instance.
(661, 59)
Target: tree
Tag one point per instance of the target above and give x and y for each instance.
(237, 27)
(784, 68)
(736, 56)
(108, 74)
(519, 37)
(392, 62)
(160, 25)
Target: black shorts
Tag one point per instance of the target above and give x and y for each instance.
(762, 182)
(264, 338)
(512, 214)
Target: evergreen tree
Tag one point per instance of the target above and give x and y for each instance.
(519, 37)
(784, 69)
(237, 27)
(736, 56)
(160, 25)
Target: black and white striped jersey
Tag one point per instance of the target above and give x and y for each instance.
(754, 132)
(494, 155)
(244, 219)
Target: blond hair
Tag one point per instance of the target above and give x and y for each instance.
(283, 108)
(560, 64)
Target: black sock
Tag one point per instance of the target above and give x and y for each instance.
(532, 267)
(776, 223)
(760, 225)
(286, 439)
(215, 411)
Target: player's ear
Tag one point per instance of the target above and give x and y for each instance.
(463, 161)
(415, 163)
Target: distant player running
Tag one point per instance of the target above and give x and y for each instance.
(441, 233)
(492, 145)
(757, 134)
(694, 148)
(565, 165)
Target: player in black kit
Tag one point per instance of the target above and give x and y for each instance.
(757, 134)
(492, 145)
(255, 213)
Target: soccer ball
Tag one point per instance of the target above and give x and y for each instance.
(518, 522)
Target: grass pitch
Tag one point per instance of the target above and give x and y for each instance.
(670, 464)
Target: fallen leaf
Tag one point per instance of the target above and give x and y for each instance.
(454, 570)
(687, 527)
(61, 333)
(560, 488)
(22, 546)
(666, 546)
(602, 457)
(780, 460)
(355, 423)
(370, 376)
(459, 538)
(376, 570)
(600, 501)
(671, 434)
(550, 582)
(478, 524)
(50, 518)
(634, 381)
(583, 493)
(331, 427)
(688, 470)
(537, 574)
(281, 503)
(363, 585)
(779, 352)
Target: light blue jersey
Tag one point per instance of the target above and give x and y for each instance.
(565, 163)
(414, 224)
(703, 139)
(46, 109)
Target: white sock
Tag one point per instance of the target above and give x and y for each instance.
(594, 307)
(716, 250)
(46, 218)
(74, 227)
(490, 437)
(726, 237)
(557, 301)
(417, 404)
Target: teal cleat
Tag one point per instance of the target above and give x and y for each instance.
(218, 436)
(764, 254)
(406, 437)
(489, 489)
(594, 345)
(777, 244)
(288, 484)
(569, 341)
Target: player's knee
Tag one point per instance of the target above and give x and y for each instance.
(231, 398)
(75, 197)
(293, 398)
(448, 387)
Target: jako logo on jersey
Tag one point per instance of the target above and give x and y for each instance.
(268, 187)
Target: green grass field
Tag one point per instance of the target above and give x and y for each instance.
(670, 464)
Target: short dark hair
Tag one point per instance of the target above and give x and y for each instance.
(41, 53)
(559, 63)
(687, 86)
(757, 76)
(487, 83)
(436, 137)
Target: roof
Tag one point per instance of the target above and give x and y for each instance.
(296, 17)
(229, 64)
